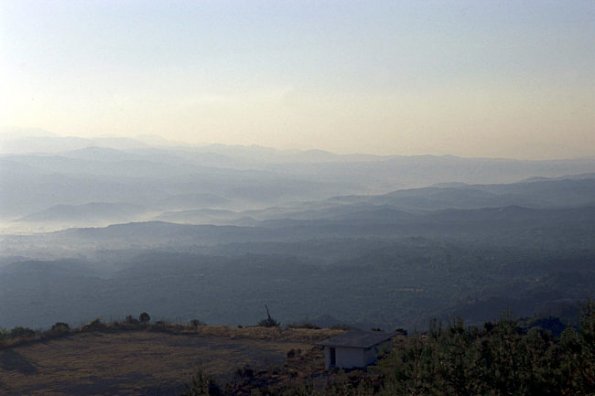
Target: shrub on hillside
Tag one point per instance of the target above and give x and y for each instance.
(22, 332)
(60, 328)
(269, 321)
(94, 325)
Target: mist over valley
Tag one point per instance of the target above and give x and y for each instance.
(216, 232)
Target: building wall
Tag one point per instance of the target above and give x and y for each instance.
(355, 357)
(327, 357)
(370, 355)
(346, 357)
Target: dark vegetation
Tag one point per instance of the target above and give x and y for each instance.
(269, 321)
(498, 358)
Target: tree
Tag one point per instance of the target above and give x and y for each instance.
(269, 321)
(144, 317)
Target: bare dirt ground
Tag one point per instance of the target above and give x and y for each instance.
(144, 362)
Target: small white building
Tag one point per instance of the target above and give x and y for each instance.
(354, 349)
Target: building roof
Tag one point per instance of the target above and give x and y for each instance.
(357, 339)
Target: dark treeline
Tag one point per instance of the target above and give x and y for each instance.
(498, 359)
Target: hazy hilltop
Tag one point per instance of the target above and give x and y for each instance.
(96, 182)
(215, 232)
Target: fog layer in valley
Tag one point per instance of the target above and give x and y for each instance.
(108, 227)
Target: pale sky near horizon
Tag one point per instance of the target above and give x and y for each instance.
(472, 78)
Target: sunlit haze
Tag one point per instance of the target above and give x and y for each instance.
(470, 78)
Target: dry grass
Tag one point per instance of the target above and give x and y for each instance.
(143, 362)
(270, 333)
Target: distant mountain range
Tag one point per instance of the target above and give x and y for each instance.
(216, 232)
(101, 211)
(170, 179)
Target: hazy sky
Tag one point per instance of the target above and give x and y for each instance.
(472, 78)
